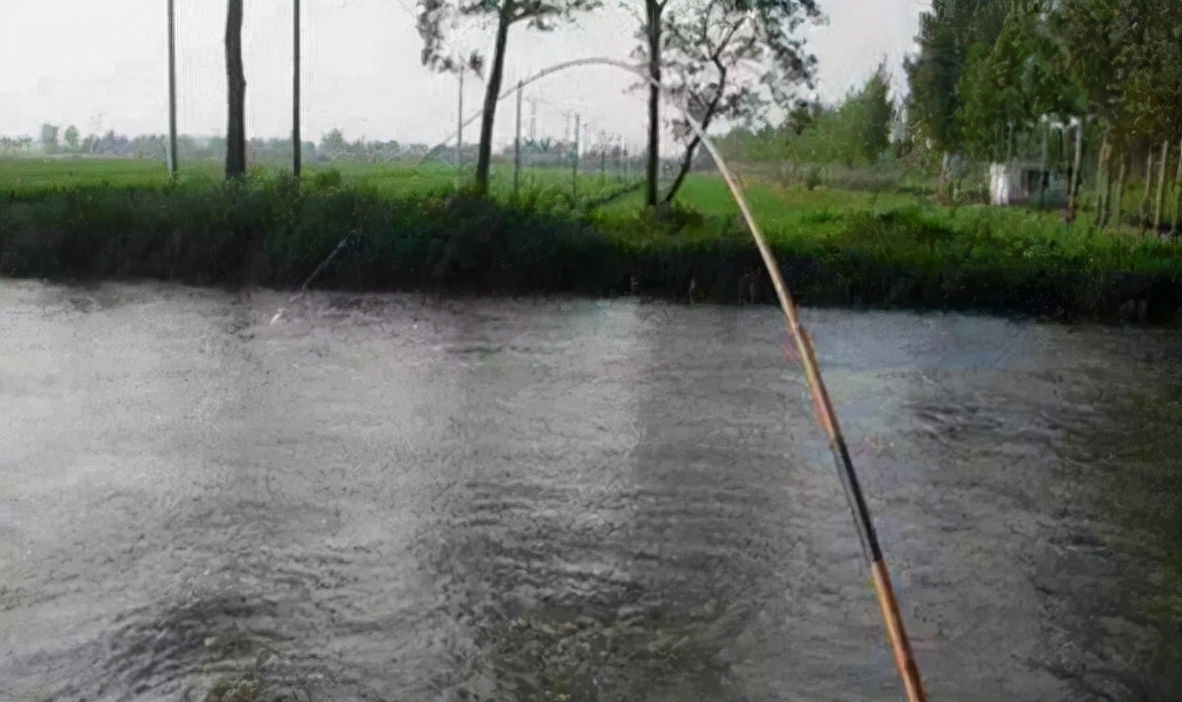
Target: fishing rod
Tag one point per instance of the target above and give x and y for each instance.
(888, 603)
(900, 645)
(863, 523)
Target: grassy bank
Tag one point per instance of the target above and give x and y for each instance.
(410, 231)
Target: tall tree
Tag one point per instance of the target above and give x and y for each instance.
(946, 33)
(1009, 86)
(653, 10)
(875, 113)
(542, 15)
(1148, 65)
(733, 59)
(1127, 57)
(236, 88)
(71, 136)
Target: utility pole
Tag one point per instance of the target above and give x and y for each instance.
(603, 139)
(172, 165)
(575, 180)
(517, 146)
(460, 128)
(295, 92)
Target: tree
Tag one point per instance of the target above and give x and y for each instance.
(875, 114)
(72, 136)
(1127, 60)
(946, 34)
(1008, 87)
(651, 33)
(541, 15)
(732, 59)
(1149, 65)
(49, 138)
(236, 88)
(333, 144)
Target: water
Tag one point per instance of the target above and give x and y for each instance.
(394, 498)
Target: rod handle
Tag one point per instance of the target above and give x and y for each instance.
(904, 659)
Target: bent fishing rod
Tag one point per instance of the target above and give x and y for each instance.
(896, 632)
(888, 603)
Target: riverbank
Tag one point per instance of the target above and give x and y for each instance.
(834, 248)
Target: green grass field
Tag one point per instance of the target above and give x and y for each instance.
(397, 179)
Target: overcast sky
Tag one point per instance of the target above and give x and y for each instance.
(103, 65)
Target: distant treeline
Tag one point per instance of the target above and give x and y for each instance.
(333, 146)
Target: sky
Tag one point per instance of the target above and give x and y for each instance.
(103, 65)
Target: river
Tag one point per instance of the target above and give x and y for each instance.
(402, 498)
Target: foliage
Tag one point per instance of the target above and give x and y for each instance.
(945, 34)
(855, 132)
(986, 67)
(1149, 62)
(869, 114)
(732, 59)
(273, 230)
(1007, 87)
(434, 15)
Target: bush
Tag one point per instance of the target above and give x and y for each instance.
(327, 180)
(265, 229)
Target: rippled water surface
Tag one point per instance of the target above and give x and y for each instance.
(394, 498)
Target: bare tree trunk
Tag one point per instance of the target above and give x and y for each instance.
(1042, 174)
(653, 10)
(1143, 208)
(1119, 195)
(943, 188)
(295, 92)
(1161, 185)
(491, 94)
(1010, 146)
(172, 151)
(1178, 194)
(1073, 188)
(687, 161)
(1102, 183)
(236, 84)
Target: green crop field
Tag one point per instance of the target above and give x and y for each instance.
(910, 226)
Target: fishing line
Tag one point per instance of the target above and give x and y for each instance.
(805, 353)
(304, 287)
(904, 659)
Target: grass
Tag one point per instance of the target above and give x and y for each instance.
(407, 228)
(390, 179)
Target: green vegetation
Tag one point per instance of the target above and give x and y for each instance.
(407, 228)
(854, 133)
